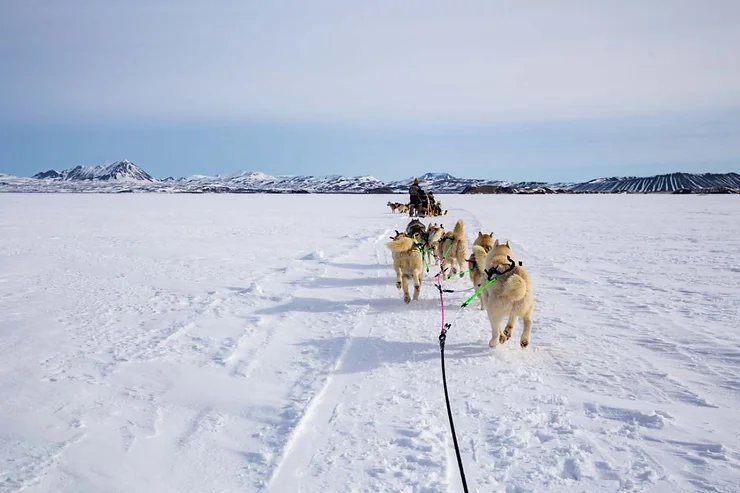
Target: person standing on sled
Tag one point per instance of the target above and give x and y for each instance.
(414, 198)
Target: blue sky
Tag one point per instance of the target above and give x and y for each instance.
(497, 89)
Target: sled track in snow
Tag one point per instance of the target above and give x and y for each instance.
(299, 450)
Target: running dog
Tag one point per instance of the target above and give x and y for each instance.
(511, 294)
(403, 208)
(485, 240)
(434, 234)
(454, 249)
(394, 206)
(416, 229)
(476, 263)
(407, 263)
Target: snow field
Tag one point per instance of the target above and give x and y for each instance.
(258, 343)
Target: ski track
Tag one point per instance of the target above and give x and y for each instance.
(149, 350)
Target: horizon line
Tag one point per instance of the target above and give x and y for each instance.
(109, 163)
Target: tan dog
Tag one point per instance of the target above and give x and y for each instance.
(407, 263)
(476, 263)
(485, 240)
(511, 295)
(393, 206)
(403, 208)
(434, 234)
(453, 248)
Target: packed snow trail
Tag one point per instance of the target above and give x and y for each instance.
(258, 343)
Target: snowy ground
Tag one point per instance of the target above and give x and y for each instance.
(258, 343)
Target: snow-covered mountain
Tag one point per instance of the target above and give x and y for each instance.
(125, 176)
(118, 171)
(255, 181)
(660, 183)
(440, 183)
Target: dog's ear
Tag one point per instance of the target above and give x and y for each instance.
(496, 243)
(480, 233)
(491, 234)
(507, 243)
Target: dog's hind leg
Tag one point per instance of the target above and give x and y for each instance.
(399, 276)
(524, 342)
(450, 263)
(496, 335)
(405, 285)
(417, 285)
(510, 326)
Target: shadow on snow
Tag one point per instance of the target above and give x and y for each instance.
(369, 353)
(320, 305)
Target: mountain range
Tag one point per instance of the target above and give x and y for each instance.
(118, 171)
(125, 176)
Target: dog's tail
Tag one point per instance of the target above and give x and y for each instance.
(459, 230)
(479, 254)
(515, 287)
(401, 245)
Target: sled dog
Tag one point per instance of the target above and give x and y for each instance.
(511, 295)
(453, 248)
(407, 264)
(434, 235)
(476, 263)
(416, 229)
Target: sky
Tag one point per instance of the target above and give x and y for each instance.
(537, 90)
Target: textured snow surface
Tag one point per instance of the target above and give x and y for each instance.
(232, 343)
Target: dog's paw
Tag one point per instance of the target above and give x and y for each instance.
(493, 342)
(524, 343)
(407, 299)
(398, 285)
(507, 332)
(502, 338)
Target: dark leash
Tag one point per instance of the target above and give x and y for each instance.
(493, 274)
(442, 338)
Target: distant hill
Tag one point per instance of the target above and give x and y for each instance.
(661, 183)
(125, 176)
